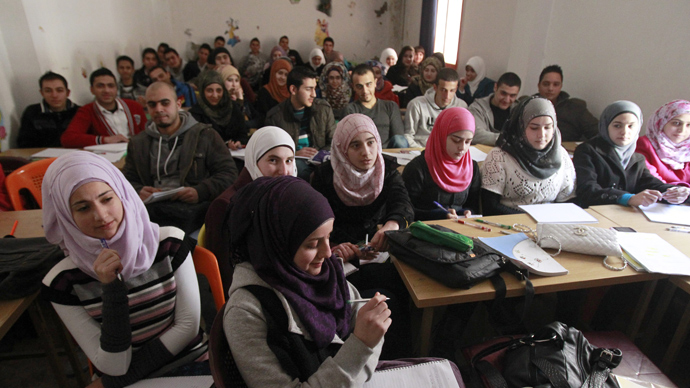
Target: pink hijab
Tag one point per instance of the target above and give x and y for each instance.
(136, 241)
(451, 175)
(675, 155)
(355, 187)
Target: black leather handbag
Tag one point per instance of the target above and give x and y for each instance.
(555, 356)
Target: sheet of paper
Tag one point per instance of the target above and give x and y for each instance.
(112, 156)
(239, 154)
(162, 195)
(437, 374)
(403, 159)
(53, 152)
(380, 258)
(398, 88)
(115, 147)
(655, 253)
(181, 381)
(477, 154)
(559, 213)
(668, 214)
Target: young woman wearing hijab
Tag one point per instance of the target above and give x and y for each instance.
(445, 172)
(425, 80)
(233, 84)
(276, 90)
(270, 152)
(388, 58)
(317, 60)
(280, 240)
(277, 52)
(528, 165)
(608, 169)
(666, 147)
(119, 268)
(404, 69)
(475, 84)
(384, 89)
(334, 85)
(215, 107)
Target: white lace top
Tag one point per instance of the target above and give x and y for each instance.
(503, 175)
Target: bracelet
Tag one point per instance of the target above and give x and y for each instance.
(612, 268)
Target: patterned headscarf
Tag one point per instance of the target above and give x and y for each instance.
(340, 96)
(423, 84)
(136, 240)
(449, 174)
(279, 93)
(612, 111)
(355, 187)
(675, 155)
(380, 82)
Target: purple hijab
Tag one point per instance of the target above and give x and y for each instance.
(272, 217)
(136, 240)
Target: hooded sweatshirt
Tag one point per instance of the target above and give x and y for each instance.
(421, 114)
(166, 152)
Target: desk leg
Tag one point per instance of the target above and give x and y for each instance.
(641, 309)
(425, 331)
(71, 352)
(40, 324)
(677, 341)
(658, 315)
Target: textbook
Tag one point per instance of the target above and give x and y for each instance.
(654, 253)
(525, 253)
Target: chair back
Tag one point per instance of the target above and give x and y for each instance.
(27, 178)
(201, 237)
(223, 368)
(206, 264)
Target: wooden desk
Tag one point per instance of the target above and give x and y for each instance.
(27, 152)
(30, 223)
(570, 145)
(585, 272)
(634, 218)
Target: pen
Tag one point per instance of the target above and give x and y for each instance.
(506, 232)
(680, 230)
(438, 205)
(494, 224)
(104, 244)
(365, 300)
(474, 225)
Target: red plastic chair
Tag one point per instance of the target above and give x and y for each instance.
(27, 178)
(206, 264)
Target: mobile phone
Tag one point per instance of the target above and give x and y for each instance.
(624, 229)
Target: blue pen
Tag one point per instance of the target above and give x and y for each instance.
(441, 207)
(104, 244)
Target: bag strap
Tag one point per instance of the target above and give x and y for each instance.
(603, 360)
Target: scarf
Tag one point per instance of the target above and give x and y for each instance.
(477, 63)
(271, 218)
(355, 187)
(539, 163)
(389, 52)
(380, 82)
(451, 175)
(419, 79)
(279, 93)
(221, 113)
(340, 96)
(262, 141)
(316, 53)
(675, 155)
(611, 112)
(136, 240)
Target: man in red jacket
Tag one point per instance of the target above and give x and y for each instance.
(106, 120)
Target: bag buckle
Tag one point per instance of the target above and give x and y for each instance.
(609, 358)
(580, 231)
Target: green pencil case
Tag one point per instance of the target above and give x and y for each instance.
(452, 240)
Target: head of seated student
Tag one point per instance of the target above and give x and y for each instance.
(419, 54)
(389, 57)
(164, 107)
(203, 53)
(406, 57)
(445, 87)
(87, 201)
(278, 84)
(219, 56)
(104, 88)
(328, 45)
(316, 58)
(669, 131)
(277, 52)
(441, 58)
(231, 79)
(301, 84)
(620, 125)
(214, 99)
(335, 85)
(551, 82)
(161, 51)
(506, 90)
(160, 74)
(270, 152)
(54, 90)
(219, 41)
(255, 46)
(365, 83)
(125, 68)
(149, 59)
(172, 58)
(475, 70)
(284, 42)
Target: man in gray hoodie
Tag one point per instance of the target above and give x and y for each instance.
(423, 110)
(175, 151)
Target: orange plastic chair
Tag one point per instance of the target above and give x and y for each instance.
(206, 264)
(28, 177)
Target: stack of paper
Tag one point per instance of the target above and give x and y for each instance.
(52, 153)
(559, 213)
(113, 152)
(654, 253)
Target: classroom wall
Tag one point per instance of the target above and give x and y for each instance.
(609, 50)
(72, 37)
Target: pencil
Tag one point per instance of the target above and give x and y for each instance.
(365, 300)
(474, 225)
(14, 227)
(494, 224)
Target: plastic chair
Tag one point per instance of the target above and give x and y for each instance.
(29, 177)
(206, 264)
(201, 238)
(223, 368)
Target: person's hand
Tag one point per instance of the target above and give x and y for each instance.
(461, 84)
(452, 214)
(676, 195)
(348, 251)
(98, 383)
(380, 242)
(467, 213)
(188, 195)
(234, 145)
(107, 266)
(146, 192)
(237, 94)
(645, 198)
(115, 139)
(373, 320)
(307, 152)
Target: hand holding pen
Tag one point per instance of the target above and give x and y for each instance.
(452, 214)
(676, 195)
(108, 265)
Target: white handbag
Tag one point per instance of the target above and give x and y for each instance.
(579, 239)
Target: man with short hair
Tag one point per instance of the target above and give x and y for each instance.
(284, 42)
(175, 64)
(126, 87)
(185, 92)
(219, 41)
(309, 121)
(161, 51)
(492, 111)
(43, 123)
(176, 151)
(385, 114)
(194, 68)
(423, 110)
(106, 120)
(575, 121)
(149, 59)
(328, 46)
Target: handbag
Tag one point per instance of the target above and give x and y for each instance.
(555, 356)
(579, 239)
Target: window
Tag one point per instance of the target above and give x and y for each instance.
(447, 34)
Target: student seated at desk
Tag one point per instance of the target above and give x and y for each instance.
(666, 147)
(280, 239)
(119, 268)
(445, 172)
(608, 169)
(528, 165)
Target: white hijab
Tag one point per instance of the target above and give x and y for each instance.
(477, 64)
(316, 53)
(262, 141)
(389, 52)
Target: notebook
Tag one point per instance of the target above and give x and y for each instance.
(559, 213)
(525, 253)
